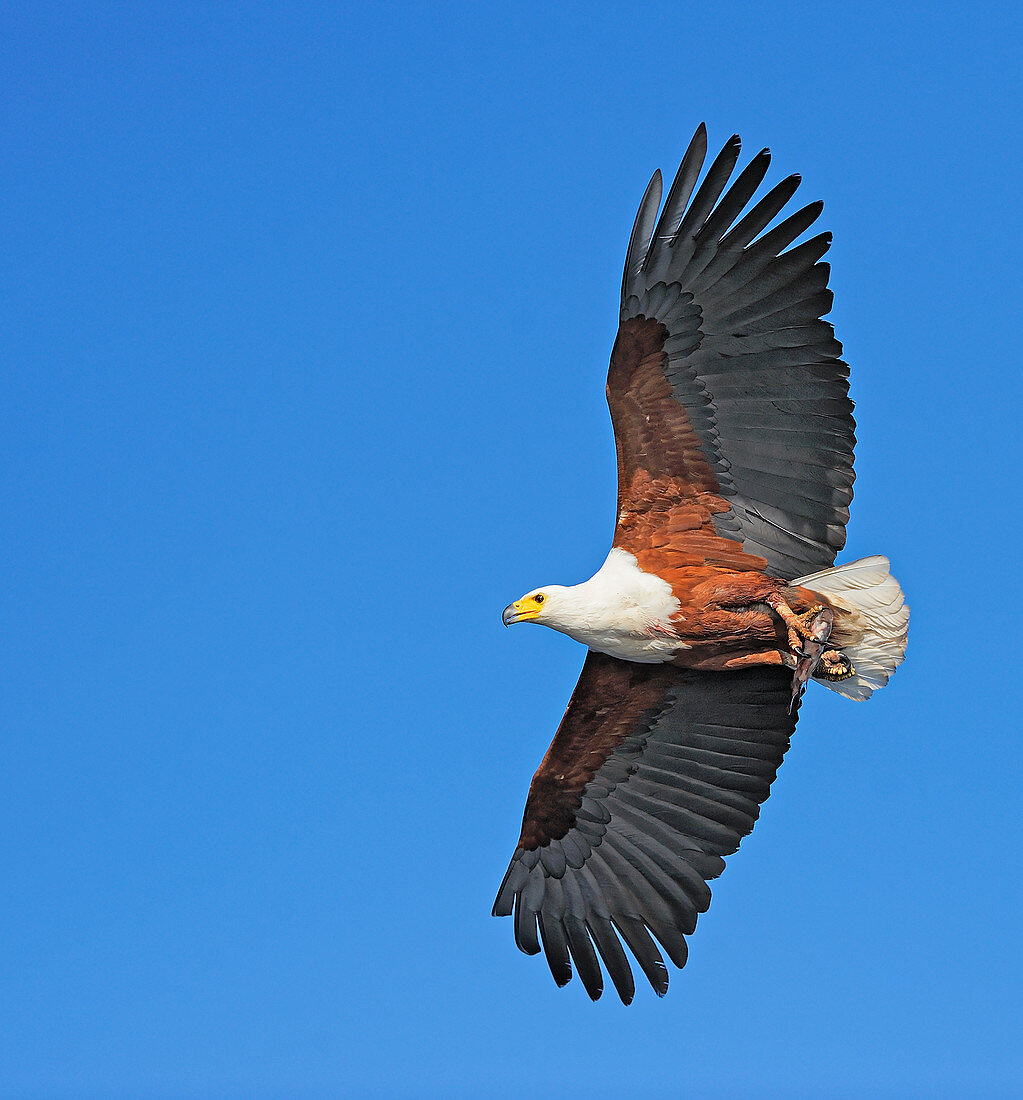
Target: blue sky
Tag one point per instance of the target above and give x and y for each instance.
(307, 311)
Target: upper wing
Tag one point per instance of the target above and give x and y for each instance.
(726, 388)
(655, 773)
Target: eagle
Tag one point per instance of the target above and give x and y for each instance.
(719, 599)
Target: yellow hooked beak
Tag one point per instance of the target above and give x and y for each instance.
(522, 610)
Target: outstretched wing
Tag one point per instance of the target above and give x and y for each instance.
(729, 398)
(654, 775)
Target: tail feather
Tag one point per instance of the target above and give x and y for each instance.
(871, 624)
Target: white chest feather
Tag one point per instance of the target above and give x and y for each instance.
(620, 610)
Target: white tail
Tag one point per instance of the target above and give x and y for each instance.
(871, 624)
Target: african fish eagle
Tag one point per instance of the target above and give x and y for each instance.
(719, 599)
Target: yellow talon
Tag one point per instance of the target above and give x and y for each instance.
(834, 666)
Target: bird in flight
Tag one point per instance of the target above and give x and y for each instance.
(719, 600)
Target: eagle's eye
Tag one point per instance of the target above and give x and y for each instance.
(538, 598)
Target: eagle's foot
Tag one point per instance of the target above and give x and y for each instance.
(834, 667)
(813, 628)
(809, 628)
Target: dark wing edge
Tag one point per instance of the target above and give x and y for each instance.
(655, 774)
(748, 354)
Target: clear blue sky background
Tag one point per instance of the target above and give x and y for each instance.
(306, 313)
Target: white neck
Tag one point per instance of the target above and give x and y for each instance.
(620, 610)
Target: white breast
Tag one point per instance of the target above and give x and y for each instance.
(620, 610)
